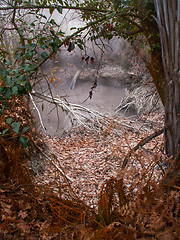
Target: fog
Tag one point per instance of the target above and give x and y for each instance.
(108, 68)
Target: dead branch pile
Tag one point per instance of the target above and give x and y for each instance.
(82, 116)
(139, 100)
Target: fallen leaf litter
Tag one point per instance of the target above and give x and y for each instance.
(90, 158)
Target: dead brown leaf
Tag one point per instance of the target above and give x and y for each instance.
(22, 214)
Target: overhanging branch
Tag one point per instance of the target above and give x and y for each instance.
(55, 6)
(31, 7)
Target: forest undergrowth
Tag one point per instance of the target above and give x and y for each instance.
(87, 184)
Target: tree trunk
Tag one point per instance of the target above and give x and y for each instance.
(155, 66)
(168, 19)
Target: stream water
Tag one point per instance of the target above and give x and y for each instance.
(58, 73)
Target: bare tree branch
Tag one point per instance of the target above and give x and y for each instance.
(88, 9)
(86, 117)
(140, 144)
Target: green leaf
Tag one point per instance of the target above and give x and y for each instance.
(92, 38)
(7, 62)
(4, 131)
(9, 120)
(21, 89)
(80, 46)
(25, 129)
(8, 81)
(29, 41)
(143, 45)
(67, 5)
(27, 67)
(3, 72)
(32, 24)
(126, 1)
(28, 86)
(61, 2)
(8, 78)
(15, 90)
(7, 94)
(41, 15)
(2, 90)
(24, 141)
(80, 41)
(51, 31)
(72, 46)
(72, 28)
(53, 22)
(16, 79)
(20, 82)
(60, 33)
(51, 10)
(21, 31)
(41, 40)
(59, 9)
(55, 48)
(16, 126)
(56, 41)
(116, 4)
(44, 55)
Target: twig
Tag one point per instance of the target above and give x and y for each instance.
(40, 118)
(82, 115)
(140, 99)
(140, 144)
(51, 160)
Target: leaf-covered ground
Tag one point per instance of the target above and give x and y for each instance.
(101, 201)
(90, 158)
